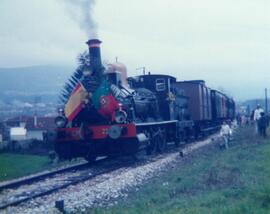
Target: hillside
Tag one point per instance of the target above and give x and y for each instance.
(27, 83)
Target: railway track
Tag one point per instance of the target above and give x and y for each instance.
(15, 193)
(49, 183)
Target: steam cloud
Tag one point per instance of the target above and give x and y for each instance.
(81, 12)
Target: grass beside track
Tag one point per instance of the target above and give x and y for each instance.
(17, 165)
(212, 181)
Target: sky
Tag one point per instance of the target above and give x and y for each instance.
(226, 43)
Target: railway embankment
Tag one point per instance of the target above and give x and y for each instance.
(208, 180)
(201, 178)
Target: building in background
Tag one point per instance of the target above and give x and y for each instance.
(18, 133)
(38, 128)
(29, 128)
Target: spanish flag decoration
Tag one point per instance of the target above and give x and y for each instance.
(76, 102)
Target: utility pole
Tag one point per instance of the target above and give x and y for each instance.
(266, 101)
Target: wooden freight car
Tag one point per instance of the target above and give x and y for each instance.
(219, 103)
(200, 106)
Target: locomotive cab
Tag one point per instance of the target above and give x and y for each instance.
(161, 85)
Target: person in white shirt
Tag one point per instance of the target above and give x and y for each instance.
(225, 133)
(257, 116)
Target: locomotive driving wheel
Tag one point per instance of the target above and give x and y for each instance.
(151, 146)
(157, 142)
(161, 141)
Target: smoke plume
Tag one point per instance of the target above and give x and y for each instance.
(81, 11)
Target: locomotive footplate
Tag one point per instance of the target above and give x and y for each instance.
(97, 132)
(99, 140)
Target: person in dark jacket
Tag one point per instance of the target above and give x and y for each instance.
(262, 124)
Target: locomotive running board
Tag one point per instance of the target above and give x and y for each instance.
(211, 129)
(156, 123)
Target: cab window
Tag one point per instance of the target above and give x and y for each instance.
(160, 85)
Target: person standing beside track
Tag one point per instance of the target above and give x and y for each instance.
(225, 133)
(256, 117)
(262, 125)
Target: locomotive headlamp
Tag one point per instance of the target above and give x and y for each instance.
(60, 111)
(60, 121)
(120, 116)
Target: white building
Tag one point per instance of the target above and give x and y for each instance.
(35, 134)
(18, 133)
(30, 128)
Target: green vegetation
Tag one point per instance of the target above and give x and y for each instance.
(210, 181)
(17, 165)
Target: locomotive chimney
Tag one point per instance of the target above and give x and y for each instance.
(94, 54)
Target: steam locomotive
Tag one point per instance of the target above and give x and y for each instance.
(107, 113)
